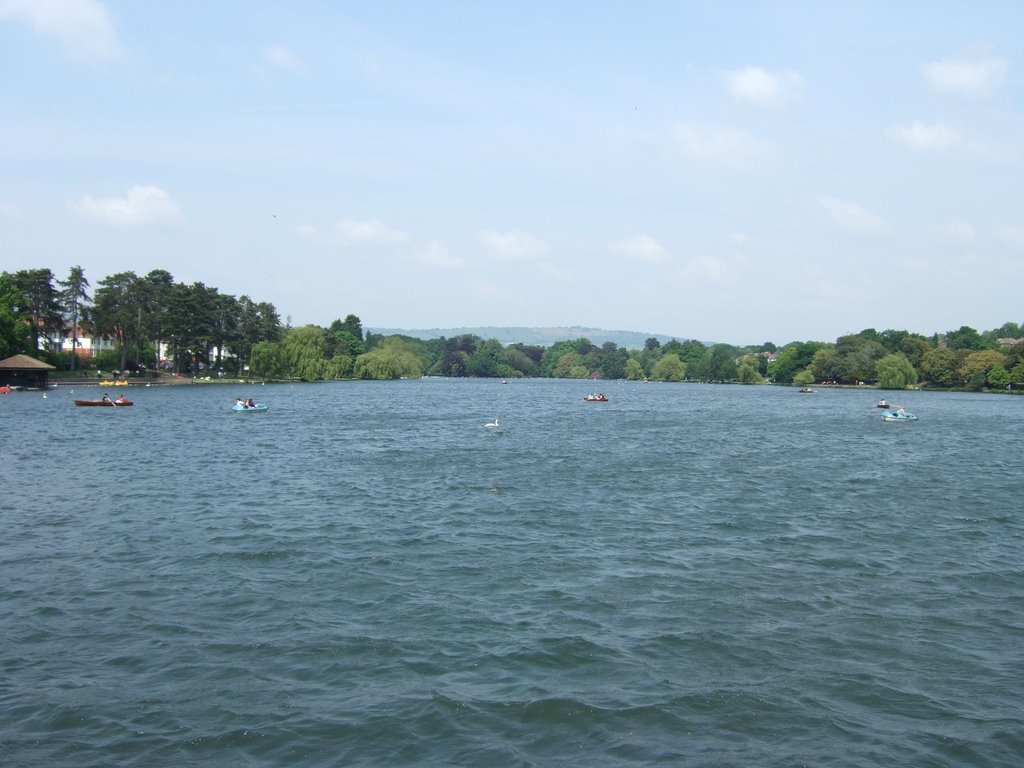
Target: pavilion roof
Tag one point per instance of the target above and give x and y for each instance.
(25, 363)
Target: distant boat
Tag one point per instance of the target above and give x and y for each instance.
(807, 391)
(882, 404)
(596, 398)
(107, 403)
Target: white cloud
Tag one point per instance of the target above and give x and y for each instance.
(717, 145)
(959, 231)
(966, 77)
(281, 57)
(482, 288)
(709, 269)
(642, 248)
(350, 232)
(514, 245)
(83, 26)
(141, 206)
(924, 137)
(1012, 236)
(851, 217)
(761, 88)
(438, 256)
(354, 233)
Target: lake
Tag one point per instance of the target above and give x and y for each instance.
(365, 575)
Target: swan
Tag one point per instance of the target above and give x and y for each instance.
(492, 424)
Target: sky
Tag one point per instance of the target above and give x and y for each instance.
(735, 171)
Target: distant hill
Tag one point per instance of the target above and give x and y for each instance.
(544, 337)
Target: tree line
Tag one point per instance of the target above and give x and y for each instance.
(151, 320)
(155, 322)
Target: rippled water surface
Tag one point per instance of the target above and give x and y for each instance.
(366, 575)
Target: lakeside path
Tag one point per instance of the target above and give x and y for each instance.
(162, 380)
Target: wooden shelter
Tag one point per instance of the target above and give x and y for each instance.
(24, 372)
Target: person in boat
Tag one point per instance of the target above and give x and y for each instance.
(250, 403)
(106, 398)
(239, 401)
(122, 399)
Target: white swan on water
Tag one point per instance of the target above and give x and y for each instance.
(492, 424)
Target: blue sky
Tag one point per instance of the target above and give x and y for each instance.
(733, 171)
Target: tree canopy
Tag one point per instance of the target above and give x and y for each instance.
(153, 321)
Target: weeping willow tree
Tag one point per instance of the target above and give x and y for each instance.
(393, 359)
(895, 372)
(266, 360)
(669, 368)
(304, 353)
(748, 372)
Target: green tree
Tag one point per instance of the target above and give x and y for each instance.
(13, 322)
(304, 352)
(1013, 355)
(998, 377)
(1005, 331)
(258, 323)
(73, 298)
(613, 361)
(858, 355)
(353, 325)
(692, 351)
(895, 372)
(192, 324)
(748, 370)
(489, 360)
(116, 310)
(976, 367)
(521, 363)
(553, 356)
(669, 368)
(579, 371)
(828, 365)
(455, 363)
(634, 371)
(227, 324)
(965, 338)
(792, 359)
(1017, 373)
(393, 359)
(914, 347)
(266, 359)
(803, 377)
(939, 367)
(154, 290)
(41, 306)
(722, 366)
(563, 368)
